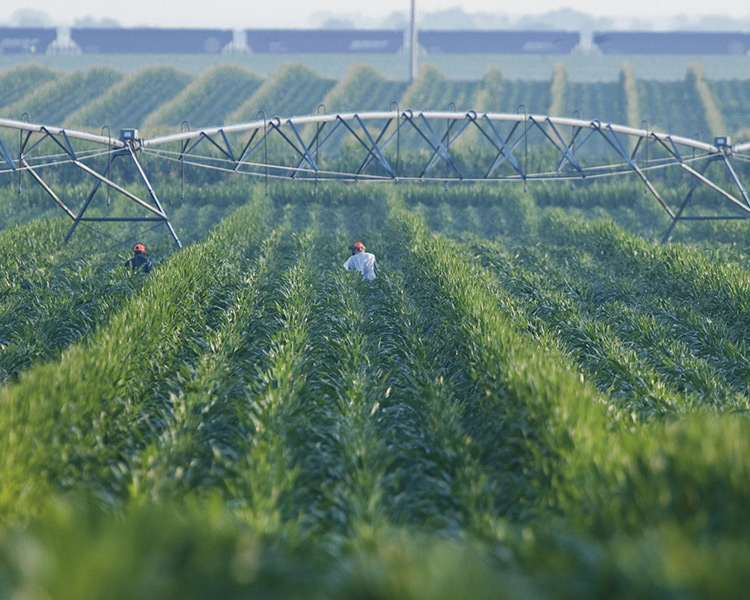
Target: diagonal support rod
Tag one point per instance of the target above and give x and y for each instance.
(120, 189)
(372, 149)
(102, 178)
(371, 154)
(448, 141)
(47, 188)
(438, 146)
(684, 204)
(153, 195)
(506, 152)
(736, 179)
(707, 181)
(565, 150)
(620, 149)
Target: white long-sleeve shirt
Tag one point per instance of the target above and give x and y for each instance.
(364, 262)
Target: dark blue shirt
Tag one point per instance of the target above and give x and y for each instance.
(139, 263)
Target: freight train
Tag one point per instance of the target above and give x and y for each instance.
(26, 40)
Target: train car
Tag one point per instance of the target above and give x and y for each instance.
(26, 40)
(497, 42)
(672, 42)
(150, 40)
(318, 41)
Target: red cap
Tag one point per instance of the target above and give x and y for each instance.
(358, 245)
(139, 248)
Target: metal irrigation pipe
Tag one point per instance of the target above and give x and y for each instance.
(644, 126)
(265, 145)
(697, 137)
(576, 115)
(317, 146)
(109, 158)
(448, 142)
(27, 119)
(525, 145)
(398, 134)
(182, 161)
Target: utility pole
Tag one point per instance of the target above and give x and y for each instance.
(413, 63)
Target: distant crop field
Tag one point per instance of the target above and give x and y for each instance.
(582, 67)
(162, 98)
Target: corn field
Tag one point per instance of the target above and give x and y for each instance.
(528, 401)
(161, 99)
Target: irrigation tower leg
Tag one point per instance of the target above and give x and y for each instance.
(153, 195)
(79, 216)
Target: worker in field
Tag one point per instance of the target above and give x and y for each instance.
(139, 261)
(362, 261)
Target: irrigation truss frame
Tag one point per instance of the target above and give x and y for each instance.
(505, 147)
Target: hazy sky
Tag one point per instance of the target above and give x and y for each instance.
(295, 13)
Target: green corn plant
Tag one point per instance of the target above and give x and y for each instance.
(206, 100)
(122, 401)
(20, 81)
(54, 101)
(129, 102)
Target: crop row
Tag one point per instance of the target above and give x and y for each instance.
(206, 100)
(49, 297)
(90, 424)
(53, 293)
(19, 82)
(363, 89)
(54, 101)
(288, 406)
(641, 319)
(158, 99)
(294, 90)
(129, 102)
(570, 451)
(633, 474)
(658, 101)
(79, 277)
(650, 356)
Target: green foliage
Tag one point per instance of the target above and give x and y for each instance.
(160, 98)
(54, 101)
(529, 401)
(196, 550)
(696, 76)
(493, 88)
(673, 105)
(18, 82)
(52, 295)
(533, 96)
(128, 103)
(156, 334)
(206, 101)
(363, 89)
(293, 90)
(729, 97)
(605, 102)
(559, 89)
(433, 91)
(20, 201)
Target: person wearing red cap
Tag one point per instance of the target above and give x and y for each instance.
(362, 261)
(140, 261)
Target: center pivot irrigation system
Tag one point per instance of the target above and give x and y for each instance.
(393, 146)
